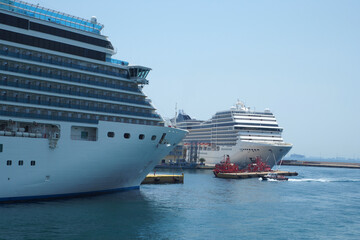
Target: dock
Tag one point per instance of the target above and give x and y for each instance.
(320, 164)
(192, 166)
(162, 179)
(253, 174)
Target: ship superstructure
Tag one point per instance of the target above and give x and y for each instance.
(73, 120)
(239, 132)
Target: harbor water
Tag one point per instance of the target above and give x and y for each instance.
(320, 203)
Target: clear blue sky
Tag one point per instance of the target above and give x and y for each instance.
(298, 58)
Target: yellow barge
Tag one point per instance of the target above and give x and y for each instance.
(162, 178)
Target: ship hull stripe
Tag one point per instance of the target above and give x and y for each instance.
(67, 195)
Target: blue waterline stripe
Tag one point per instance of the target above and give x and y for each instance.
(67, 195)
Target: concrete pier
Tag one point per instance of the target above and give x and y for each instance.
(195, 166)
(320, 164)
(161, 179)
(253, 174)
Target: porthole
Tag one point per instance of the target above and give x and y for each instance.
(127, 135)
(32, 163)
(153, 137)
(21, 162)
(111, 134)
(141, 136)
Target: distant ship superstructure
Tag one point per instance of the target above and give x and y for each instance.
(73, 120)
(239, 132)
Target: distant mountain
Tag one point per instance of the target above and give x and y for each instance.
(317, 158)
(297, 156)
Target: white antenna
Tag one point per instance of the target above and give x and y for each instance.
(175, 114)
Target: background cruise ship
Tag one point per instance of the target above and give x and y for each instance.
(72, 119)
(239, 132)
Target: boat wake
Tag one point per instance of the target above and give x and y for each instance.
(272, 180)
(324, 180)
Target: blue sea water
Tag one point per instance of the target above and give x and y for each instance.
(321, 203)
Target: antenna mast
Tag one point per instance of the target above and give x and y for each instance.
(175, 114)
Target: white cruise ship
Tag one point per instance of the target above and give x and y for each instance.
(73, 120)
(239, 132)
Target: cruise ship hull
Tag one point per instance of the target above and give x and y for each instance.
(244, 152)
(73, 120)
(76, 167)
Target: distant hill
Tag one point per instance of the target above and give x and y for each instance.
(297, 156)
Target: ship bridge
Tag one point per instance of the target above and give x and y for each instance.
(139, 74)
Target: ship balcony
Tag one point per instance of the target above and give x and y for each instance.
(139, 74)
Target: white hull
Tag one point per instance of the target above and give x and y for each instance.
(103, 133)
(243, 152)
(77, 167)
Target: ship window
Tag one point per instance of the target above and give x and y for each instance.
(1, 147)
(14, 21)
(84, 135)
(8, 162)
(153, 137)
(32, 163)
(21, 162)
(51, 45)
(141, 136)
(127, 135)
(111, 134)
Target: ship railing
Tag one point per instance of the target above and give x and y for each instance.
(116, 61)
(64, 64)
(64, 91)
(46, 117)
(77, 106)
(71, 79)
(53, 16)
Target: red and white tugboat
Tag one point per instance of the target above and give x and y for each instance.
(225, 166)
(226, 169)
(257, 166)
